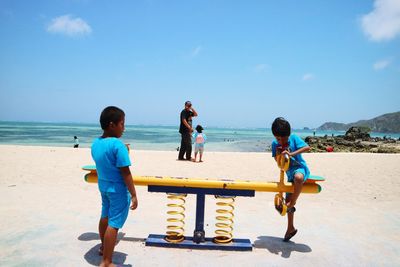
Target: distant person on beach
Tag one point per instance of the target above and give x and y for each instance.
(298, 172)
(185, 129)
(114, 180)
(76, 142)
(199, 140)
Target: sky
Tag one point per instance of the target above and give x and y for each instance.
(241, 63)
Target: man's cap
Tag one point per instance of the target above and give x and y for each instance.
(187, 103)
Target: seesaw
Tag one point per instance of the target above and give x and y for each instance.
(224, 191)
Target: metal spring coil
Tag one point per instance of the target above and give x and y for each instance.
(224, 225)
(175, 232)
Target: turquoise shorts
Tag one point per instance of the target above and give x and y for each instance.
(291, 172)
(290, 175)
(198, 149)
(115, 207)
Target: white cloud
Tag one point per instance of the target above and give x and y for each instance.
(261, 68)
(196, 51)
(69, 25)
(308, 77)
(380, 65)
(382, 23)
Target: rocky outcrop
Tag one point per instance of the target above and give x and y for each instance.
(355, 133)
(356, 139)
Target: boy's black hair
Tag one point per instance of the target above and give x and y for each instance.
(280, 127)
(111, 114)
(199, 129)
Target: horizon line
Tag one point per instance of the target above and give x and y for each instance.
(147, 125)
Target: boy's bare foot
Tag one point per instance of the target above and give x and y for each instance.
(200, 161)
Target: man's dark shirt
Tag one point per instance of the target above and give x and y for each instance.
(185, 114)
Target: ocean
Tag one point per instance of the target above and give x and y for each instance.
(165, 138)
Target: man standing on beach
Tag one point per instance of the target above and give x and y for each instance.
(185, 129)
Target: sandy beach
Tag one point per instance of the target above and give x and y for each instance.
(49, 214)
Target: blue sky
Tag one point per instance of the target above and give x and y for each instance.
(242, 63)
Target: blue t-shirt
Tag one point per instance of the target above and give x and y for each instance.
(199, 139)
(297, 161)
(110, 154)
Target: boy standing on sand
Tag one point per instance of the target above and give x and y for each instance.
(292, 146)
(114, 180)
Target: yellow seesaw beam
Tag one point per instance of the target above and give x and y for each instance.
(311, 188)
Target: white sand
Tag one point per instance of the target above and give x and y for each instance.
(49, 215)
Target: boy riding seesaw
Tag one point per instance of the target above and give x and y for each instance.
(287, 150)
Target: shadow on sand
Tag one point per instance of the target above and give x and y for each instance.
(93, 257)
(276, 245)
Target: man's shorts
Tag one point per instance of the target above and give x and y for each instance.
(115, 206)
(199, 149)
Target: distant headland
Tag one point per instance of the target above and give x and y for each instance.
(387, 123)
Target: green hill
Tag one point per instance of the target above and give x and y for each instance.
(387, 123)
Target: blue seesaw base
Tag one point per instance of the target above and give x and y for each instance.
(235, 245)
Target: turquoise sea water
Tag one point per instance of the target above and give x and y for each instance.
(166, 138)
